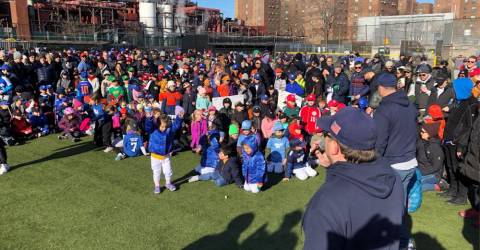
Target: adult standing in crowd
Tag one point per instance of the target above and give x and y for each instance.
(397, 134)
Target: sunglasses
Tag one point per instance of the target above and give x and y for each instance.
(423, 75)
(358, 67)
(472, 61)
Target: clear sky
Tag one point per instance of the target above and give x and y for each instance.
(226, 6)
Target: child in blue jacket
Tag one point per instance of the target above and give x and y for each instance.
(160, 147)
(131, 144)
(39, 123)
(253, 165)
(209, 160)
(297, 162)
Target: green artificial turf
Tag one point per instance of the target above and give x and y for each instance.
(64, 195)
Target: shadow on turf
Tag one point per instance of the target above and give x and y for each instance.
(66, 151)
(283, 238)
(471, 234)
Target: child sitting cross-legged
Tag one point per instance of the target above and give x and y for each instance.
(131, 145)
(226, 172)
(296, 162)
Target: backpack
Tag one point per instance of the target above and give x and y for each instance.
(415, 192)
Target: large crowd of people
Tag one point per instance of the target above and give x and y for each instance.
(251, 116)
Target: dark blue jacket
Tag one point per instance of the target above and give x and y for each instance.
(396, 120)
(253, 167)
(295, 159)
(360, 206)
(230, 171)
(358, 85)
(161, 142)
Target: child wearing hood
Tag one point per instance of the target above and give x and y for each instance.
(297, 162)
(198, 129)
(70, 125)
(276, 150)
(253, 165)
(209, 160)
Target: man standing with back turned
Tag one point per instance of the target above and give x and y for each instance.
(360, 205)
(396, 120)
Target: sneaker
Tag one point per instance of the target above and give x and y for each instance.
(156, 190)
(61, 137)
(75, 140)
(108, 149)
(458, 201)
(411, 245)
(4, 169)
(120, 157)
(170, 187)
(194, 178)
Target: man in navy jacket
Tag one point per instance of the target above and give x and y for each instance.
(360, 205)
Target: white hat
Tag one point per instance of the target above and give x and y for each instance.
(170, 83)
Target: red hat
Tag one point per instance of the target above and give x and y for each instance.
(311, 97)
(333, 103)
(129, 59)
(179, 58)
(123, 111)
(185, 66)
(160, 66)
(291, 98)
(435, 111)
(475, 72)
(278, 70)
(341, 106)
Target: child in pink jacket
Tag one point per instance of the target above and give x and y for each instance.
(198, 129)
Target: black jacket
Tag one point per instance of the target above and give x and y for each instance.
(445, 99)
(470, 167)
(309, 83)
(230, 171)
(364, 208)
(239, 117)
(421, 98)
(459, 123)
(430, 157)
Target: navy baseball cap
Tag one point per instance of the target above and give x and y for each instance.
(297, 143)
(386, 80)
(351, 127)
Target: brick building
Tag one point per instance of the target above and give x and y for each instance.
(406, 7)
(423, 8)
(461, 8)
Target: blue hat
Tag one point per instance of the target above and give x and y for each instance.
(257, 77)
(140, 96)
(84, 74)
(4, 103)
(363, 103)
(351, 127)
(297, 143)
(424, 68)
(246, 125)
(202, 66)
(235, 66)
(278, 126)
(292, 76)
(148, 109)
(264, 97)
(148, 96)
(49, 86)
(386, 80)
(43, 87)
(5, 67)
(462, 88)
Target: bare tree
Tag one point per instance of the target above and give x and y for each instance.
(328, 16)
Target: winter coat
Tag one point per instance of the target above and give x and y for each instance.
(64, 83)
(364, 208)
(470, 167)
(210, 154)
(160, 143)
(309, 83)
(69, 125)
(230, 171)
(239, 117)
(253, 165)
(294, 88)
(257, 91)
(358, 85)
(445, 99)
(421, 98)
(197, 130)
(202, 102)
(188, 102)
(309, 116)
(340, 86)
(44, 74)
(430, 157)
(460, 122)
(396, 120)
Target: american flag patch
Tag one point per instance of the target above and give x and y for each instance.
(335, 128)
